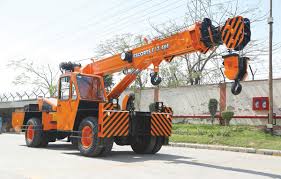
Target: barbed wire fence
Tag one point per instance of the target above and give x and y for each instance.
(17, 96)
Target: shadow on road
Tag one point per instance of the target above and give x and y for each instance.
(131, 157)
(66, 146)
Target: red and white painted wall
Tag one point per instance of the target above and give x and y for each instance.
(190, 104)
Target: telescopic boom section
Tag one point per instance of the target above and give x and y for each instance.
(200, 37)
(153, 53)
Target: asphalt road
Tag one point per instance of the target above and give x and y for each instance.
(61, 160)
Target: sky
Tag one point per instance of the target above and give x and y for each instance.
(68, 30)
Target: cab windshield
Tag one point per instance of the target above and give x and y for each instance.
(90, 88)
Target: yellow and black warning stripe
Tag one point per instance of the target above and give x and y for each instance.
(113, 122)
(168, 110)
(161, 124)
(233, 32)
(108, 106)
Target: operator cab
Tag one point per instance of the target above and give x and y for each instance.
(80, 86)
(79, 95)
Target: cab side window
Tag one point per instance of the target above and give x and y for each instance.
(74, 93)
(64, 88)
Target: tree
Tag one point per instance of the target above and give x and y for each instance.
(108, 82)
(39, 76)
(123, 43)
(205, 68)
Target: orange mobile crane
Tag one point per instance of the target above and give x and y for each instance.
(92, 118)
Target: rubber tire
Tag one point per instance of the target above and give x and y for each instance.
(38, 139)
(158, 145)
(44, 142)
(149, 145)
(107, 146)
(95, 149)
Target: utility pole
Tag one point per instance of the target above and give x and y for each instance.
(270, 116)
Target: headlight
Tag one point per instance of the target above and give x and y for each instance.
(123, 56)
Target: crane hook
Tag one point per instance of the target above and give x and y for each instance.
(155, 79)
(236, 87)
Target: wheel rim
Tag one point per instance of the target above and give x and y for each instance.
(87, 137)
(30, 132)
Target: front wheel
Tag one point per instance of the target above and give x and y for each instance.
(89, 143)
(34, 134)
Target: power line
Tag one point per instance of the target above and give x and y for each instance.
(75, 9)
(160, 13)
(122, 25)
(102, 18)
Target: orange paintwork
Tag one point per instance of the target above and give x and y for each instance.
(231, 66)
(17, 120)
(125, 101)
(112, 122)
(67, 109)
(87, 137)
(232, 32)
(181, 43)
(30, 132)
(155, 52)
(48, 121)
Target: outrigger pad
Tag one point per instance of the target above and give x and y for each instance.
(236, 33)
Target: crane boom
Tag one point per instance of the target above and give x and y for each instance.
(200, 37)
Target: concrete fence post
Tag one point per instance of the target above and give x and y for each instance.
(222, 97)
(156, 94)
(222, 104)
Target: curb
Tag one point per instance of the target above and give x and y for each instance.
(227, 148)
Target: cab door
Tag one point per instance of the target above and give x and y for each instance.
(67, 104)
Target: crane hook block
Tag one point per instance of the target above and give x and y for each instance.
(155, 79)
(236, 33)
(236, 87)
(235, 69)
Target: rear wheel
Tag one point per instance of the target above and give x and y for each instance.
(45, 141)
(34, 135)
(158, 145)
(89, 143)
(107, 146)
(147, 145)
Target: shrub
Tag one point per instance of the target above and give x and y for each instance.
(151, 107)
(213, 107)
(227, 116)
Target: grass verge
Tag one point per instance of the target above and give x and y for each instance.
(238, 136)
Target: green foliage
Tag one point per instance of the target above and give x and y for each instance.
(108, 81)
(151, 107)
(240, 136)
(213, 108)
(52, 90)
(227, 116)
